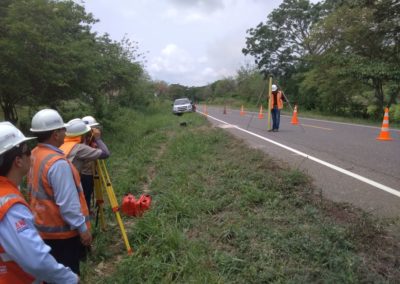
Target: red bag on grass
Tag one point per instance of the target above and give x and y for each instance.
(132, 207)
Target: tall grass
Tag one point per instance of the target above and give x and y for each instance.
(224, 213)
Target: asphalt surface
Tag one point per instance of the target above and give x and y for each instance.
(346, 161)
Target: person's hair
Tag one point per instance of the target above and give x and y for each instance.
(7, 159)
(43, 136)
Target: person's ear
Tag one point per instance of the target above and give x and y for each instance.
(18, 162)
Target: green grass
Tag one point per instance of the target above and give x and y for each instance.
(224, 213)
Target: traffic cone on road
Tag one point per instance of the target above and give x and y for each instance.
(385, 134)
(205, 109)
(261, 114)
(294, 117)
(224, 109)
(242, 111)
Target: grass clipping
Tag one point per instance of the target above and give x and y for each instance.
(224, 213)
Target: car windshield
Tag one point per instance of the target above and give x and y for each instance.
(181, 102)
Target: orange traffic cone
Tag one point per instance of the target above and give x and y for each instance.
(261, 114)
(294, 117)
(242, 111)
(224, 109)
(205, 109)
(385, 135)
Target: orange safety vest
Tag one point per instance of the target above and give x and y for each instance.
(48, 219)
(69, 143)
(279, 99)
(10, 271)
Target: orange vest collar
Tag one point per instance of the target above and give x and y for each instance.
(73, 139)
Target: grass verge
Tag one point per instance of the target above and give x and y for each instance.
(224, 213)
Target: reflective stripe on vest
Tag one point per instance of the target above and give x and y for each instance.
(61, 229)
(7, 198)
(5, 257)
(41, 193)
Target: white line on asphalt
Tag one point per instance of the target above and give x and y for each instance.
(329, 165)
(324, 128)
(343, 123)
(335, 122)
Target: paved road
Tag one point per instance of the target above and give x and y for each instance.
(346, 161)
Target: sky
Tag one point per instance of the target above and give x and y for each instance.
(187, 42)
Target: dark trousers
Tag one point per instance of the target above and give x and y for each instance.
(276, 117)
(66, 251)
(87, 186)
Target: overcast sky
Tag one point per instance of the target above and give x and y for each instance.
(189, 42)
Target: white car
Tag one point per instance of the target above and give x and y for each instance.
(181, 106)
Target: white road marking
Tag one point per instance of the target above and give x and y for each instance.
(329, 165)
(344, 123)
(226, 126)
(319, 127)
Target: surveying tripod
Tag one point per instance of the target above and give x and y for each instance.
(102, 182)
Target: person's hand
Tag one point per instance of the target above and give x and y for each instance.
(96, 133)
(86, 238)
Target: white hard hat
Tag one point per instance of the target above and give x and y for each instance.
(274, 87)
(90, 120)
(10, 136)
(46, 120)
(76, 128)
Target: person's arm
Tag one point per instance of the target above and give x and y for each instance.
(66, 195)
(105, 153)
(87, 153)
(100, 144)
(24, 245)
(283, 97)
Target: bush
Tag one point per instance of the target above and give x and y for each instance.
(394, 113)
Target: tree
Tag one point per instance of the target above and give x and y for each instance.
(44, 51)
(250, 84)
(363, 44)
(280, 43)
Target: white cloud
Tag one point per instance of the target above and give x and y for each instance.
(202, 5)
(171, 59)
(190, 42)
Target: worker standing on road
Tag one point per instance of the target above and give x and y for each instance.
(57, 200)
(276, 103)
(24, 257)
(92, 139)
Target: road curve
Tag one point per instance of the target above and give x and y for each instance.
(345, 160)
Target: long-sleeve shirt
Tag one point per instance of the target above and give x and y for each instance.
(82, 154)
(87, 167)
(66, 196)
(24, 245)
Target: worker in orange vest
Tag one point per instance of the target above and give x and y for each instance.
(276, 98)
(92, 139)
(24, 257)
(79, 153)
(57, 200)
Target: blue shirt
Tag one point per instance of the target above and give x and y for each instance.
(23, 245)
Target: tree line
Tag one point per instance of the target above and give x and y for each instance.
(337, 56)
(49, 54)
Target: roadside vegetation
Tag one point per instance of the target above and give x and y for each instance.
(221, 212)
(224, 213)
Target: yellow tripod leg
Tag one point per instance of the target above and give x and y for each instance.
(105, 180)
(269, 126)
(98, 193)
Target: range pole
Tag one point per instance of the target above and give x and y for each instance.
(269, 127)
